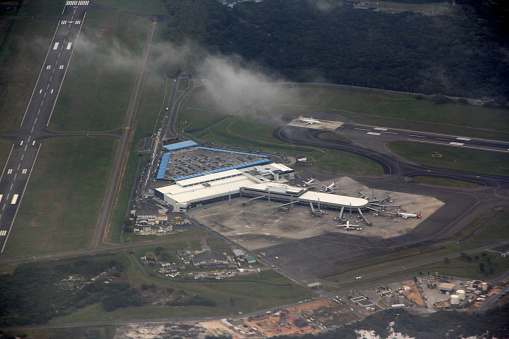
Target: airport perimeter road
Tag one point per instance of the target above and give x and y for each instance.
(28, 138)
(120, 156)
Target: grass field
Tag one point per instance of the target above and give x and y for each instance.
(143, 7)
(406, 111)
(444, 182)
(22, 54)
(64, 196)
(151, 107)
(101, 75)
(5, 149)
(454, 158)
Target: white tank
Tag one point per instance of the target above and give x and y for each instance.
(484, 286)
(455, 300)
(461, 294)
(401, 299)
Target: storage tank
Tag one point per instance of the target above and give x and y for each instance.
(484, 286)
(455, 300)
(461, 294)
(401, 299)
(388, 299)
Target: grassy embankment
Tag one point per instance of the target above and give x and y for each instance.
(454, 158)
(459, 266)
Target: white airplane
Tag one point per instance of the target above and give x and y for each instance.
(348, 227)
(409, 215)
(309, 182)
(308, 121)
(330, 187)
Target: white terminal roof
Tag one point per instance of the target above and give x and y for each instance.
(209, 178)
(276, 188)
(211, 189)
(335, 199)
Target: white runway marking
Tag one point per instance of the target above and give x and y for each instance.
(456, 143)
(373, 133)
(9, 171)
(3, 233)
(416, 136)
(463, 139)
(24, 171)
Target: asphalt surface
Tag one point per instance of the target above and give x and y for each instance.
(321, 256)
(28, 138)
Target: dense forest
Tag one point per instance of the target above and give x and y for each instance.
(462, 53)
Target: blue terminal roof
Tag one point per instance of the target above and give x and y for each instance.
(180, 145)
(162, 167)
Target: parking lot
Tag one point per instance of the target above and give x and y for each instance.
(191, 161)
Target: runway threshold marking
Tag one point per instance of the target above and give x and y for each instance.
(3, 233)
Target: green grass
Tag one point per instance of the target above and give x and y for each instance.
(497, 228)
(249, 133)
(494, 265)
(150, 104)
(444, 182)
(453, 157)
(64, 196)
(406, 111)
(98, 87)
(5, 149)
(22, 54)
(393, 7)
(39, 8)
(401, 258)
(143, 7)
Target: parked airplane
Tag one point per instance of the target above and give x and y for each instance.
(348, 227)
(308, 121)
(330, 187)
(309, 182)
(409, 215)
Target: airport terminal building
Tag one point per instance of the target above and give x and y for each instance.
(256, 182)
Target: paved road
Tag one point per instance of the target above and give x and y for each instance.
(27, 139)
(119, 163)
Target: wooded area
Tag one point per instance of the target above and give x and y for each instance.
(459, 54)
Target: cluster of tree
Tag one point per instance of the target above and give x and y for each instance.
(492, 324)
(455, 54)
(182, 298)
(36, 292)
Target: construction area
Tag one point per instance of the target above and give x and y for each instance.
(262, 223)
(306, 318)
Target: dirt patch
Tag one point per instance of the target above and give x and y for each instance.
(303, 319)
(411, 292)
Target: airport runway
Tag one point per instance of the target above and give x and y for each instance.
(376, 137)
(27, 139)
